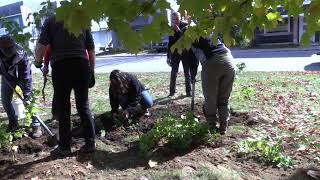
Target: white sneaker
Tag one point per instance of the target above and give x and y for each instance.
(147, 113)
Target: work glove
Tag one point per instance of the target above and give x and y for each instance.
(92, 79)
(37, 64)
(126, 114)
(169, 62)
(45, 70)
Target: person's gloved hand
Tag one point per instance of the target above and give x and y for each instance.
(45, 70)
(37, 64)
(169, 62)
(27, 100)
(92, 79)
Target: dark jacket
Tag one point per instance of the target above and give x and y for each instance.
(131, 99)
(18, 71)
(204, 49)
(173, 39)
(64, 44)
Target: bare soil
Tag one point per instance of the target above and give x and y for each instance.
(117, 155)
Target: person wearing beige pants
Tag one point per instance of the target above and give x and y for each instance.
(217, 80)
(217, 76)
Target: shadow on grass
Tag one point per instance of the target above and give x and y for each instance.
(130, 158)
(16, 170)
(165, 100)
(101, 160)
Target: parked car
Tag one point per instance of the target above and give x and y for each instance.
(161, 46)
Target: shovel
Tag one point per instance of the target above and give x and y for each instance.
(193, 94)
(52, 139)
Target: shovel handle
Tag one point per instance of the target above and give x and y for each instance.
(44, 125)
(193, 94)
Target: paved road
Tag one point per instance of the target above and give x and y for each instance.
(255, 60)
(289, 59)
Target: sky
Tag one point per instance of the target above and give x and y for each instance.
(36, 3)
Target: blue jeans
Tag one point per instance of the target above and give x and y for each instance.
(146, 99)
(6, 98)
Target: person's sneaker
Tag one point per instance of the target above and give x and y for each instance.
(60, 152)
(36, 132)
(171, 94)
(77, 132)
(147, 113)
(88, 148)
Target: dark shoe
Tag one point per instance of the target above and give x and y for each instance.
(60, 152)
(88, 148)
(77, 132)
(223, 127)
(171, 94)
(12, 128)
(213, 126)
(36, 132)
(188, 95)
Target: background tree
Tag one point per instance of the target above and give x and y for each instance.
(211, 16)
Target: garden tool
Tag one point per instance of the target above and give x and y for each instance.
(52, 139)
(193, 94)
(45, 79)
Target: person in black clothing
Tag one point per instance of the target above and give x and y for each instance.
(128, 92)
(189, 61)
(70, 70)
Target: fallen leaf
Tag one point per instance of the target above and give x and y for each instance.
(314, 174)
(143, 178)
(302, 148)
(35, 178)
(152, 164)
(89, 166)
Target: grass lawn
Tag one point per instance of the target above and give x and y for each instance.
(281, 106)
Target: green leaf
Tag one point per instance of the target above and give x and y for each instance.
(274, 16)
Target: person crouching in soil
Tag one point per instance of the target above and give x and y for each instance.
(128, 92)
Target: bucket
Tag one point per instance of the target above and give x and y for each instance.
(19, 108)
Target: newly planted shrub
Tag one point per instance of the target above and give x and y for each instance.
(271, 153)
(179, 133)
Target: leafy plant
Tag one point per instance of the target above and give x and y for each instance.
(244, 93)
(268, 152)
(6, 141)
(212, 17)
(32, 108)
(178, 133)
(23, 38)
(14, 29)
(240, 68)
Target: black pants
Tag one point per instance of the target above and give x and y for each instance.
(190, 68)
(71, 74)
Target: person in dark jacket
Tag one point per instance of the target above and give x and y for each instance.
(189, 61)
(70, 70)
(217, 77)
(15, 69)
(128, 92)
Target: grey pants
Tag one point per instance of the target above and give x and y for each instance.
(217, 76)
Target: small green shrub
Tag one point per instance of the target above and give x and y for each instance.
(179, 133)
(268, 152)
